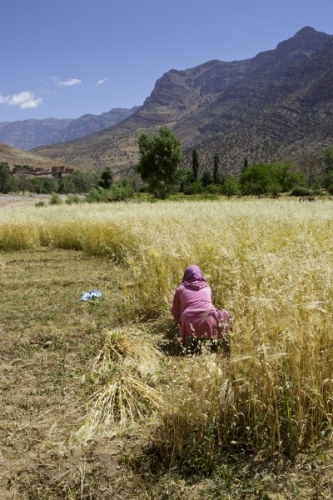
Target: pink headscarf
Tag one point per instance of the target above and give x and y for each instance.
(193, 278)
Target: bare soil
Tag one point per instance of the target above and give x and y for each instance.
(17, 200)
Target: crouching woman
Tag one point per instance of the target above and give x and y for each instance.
(200, 323)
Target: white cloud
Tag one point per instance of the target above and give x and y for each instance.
(24, 100)
(101, 81)
(69, 82)
(4, 99)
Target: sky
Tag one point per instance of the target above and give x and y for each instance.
(66, 58)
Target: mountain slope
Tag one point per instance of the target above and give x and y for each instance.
(29, 134)
(14, 156)
(264, 108)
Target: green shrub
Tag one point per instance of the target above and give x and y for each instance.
(97, 195)
(40, 204)
(301, 191)
(143, 188)
(194, 188)
(55, 199)
(73, 198)
(214, 189)
(122, 190)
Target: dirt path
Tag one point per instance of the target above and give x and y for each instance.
(20, 199)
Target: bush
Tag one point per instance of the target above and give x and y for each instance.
(97, 195)
(301, 191)
(42, 186)
(73, 198)
(214, 189)
(230, 186)
(40, 204)
(194, 188)
(55, 199)
(144, 188)
(122, 190)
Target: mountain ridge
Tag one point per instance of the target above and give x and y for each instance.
(13, 156)
(31, 133)
(272, 106)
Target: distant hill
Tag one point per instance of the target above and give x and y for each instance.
(14, 156)
(29, 134)
(273, 106)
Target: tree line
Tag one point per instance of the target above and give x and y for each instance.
(160, 167)
(162, 173)
(96, 186)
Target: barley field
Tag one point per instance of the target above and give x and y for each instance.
(267, 261)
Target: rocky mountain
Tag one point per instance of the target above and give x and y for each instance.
(29, 134)
(268, 108)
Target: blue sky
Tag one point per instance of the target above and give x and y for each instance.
(65, 58)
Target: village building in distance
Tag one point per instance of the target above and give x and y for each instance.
(28, 171)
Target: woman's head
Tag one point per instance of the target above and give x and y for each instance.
(193, 273)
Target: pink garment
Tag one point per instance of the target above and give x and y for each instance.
(193, 309)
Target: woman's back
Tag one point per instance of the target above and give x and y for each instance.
(193, 309)
(194, 300)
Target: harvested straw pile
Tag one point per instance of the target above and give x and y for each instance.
(127, 368)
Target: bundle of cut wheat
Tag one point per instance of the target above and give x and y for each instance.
(127, 368)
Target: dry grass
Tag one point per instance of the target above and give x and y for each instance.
(48, 336)
(126, 372)
(90, 369)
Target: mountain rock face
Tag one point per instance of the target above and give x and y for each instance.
(267, 109)
(29, 134)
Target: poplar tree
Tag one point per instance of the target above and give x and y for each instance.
(195, 164)
(216, 169)
(4, 177)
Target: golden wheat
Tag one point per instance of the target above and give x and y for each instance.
(268, 261)
(126, 372)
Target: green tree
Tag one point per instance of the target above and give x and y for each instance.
(122, 190)
(106, 179)
(22, 184)
(61, 187)
(4, 177)
(328, 181)
(159, 163)
(258, 180)
(230, 186)
(40, 185)
(310, 165)
(206, 178)
(328, 159)
(195, 164)
(185, 178)
(283, 176)
(216, 169)
(80, 182)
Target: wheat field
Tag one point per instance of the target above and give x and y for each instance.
(267, 261)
